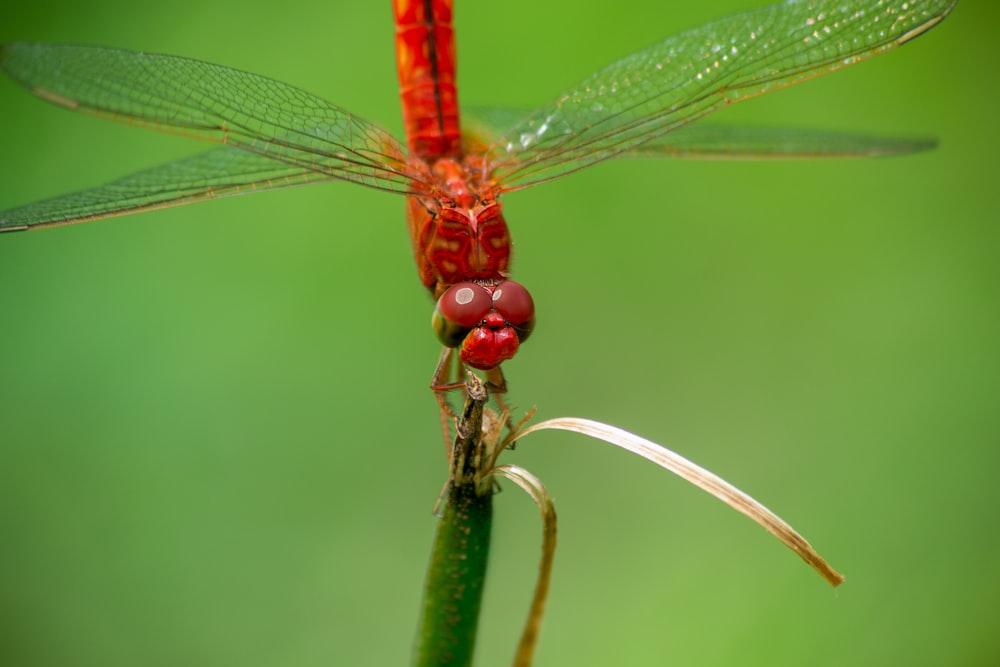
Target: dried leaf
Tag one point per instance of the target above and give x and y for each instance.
(701, 478)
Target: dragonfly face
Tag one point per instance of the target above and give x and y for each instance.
(486, 321)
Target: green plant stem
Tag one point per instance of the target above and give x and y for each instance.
(454, 588)
(453, 592)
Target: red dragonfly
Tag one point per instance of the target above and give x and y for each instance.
(274, 135)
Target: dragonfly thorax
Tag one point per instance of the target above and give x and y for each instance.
(457, 229)
(455, 182)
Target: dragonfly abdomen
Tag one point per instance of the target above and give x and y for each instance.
(425, 61)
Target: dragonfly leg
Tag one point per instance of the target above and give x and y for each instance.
(442, 382)
(448, 377)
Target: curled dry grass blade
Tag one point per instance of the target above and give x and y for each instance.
(701, 478)
(534, 487)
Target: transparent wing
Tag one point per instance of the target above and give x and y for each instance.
(663, 88)
(720, 142)
(198, 99)
(220, 172)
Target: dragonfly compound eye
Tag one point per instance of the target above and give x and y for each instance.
(514, 302)
(460, 309)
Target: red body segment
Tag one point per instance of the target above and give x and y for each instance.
(425, 59)
(458, 231)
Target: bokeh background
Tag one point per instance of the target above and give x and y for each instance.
(217, 446)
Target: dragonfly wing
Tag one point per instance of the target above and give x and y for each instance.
(663, 88)
(485, 126)
(220, 172)
(207, 101)
(722, 142)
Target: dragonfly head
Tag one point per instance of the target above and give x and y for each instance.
(486, 321)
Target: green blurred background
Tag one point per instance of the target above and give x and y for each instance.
(217, 446)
